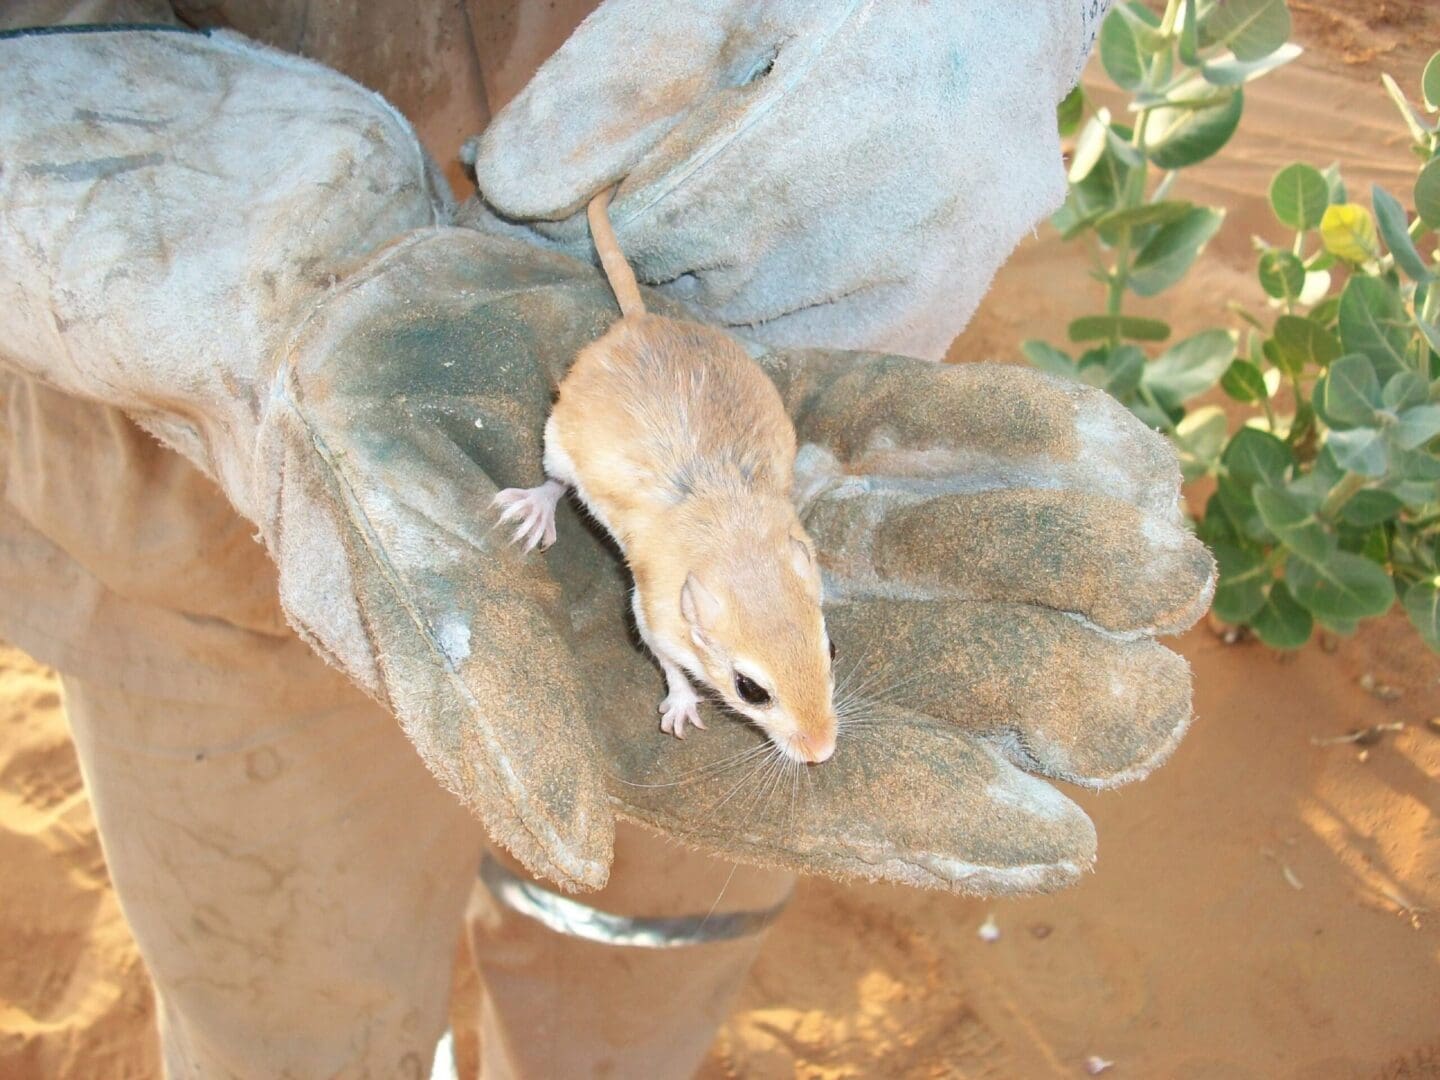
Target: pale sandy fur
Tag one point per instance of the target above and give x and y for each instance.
(681, 447)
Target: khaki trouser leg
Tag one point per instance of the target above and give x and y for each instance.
(295, 882)
(559, 1000)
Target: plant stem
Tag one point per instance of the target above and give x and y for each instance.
(1134, 196)
(1340, 494)
(1148, 396)
(1172, 13)
(1119, 278)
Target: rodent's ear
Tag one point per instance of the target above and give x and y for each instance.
(802, 557)
(699, 606)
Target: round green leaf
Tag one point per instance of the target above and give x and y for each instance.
(1166, 256)
(1302, 343)
(1344, 587)
(1070, 112)
(1293, 525)
(1327, 312)
(1048, 358)
(1251, 29)
(1116, 371)
(1233, 72)
(1130, 327)
(1422, 603)
(1404, 390)
(1335, 182)
(1089, 147)
(1190, 367)
(1255, 457)
(1281, 622)
(1430, 84)
(1370, 507)
(1394, 227)
(1299, 196)
(1418, 467)
(1418, 425)
(1178, 136)
(1157, 213)
(1199, 438)
(1351, 391)
(1282, 275)
(1360, 450)
(1373, 321)
(1427, 193)
(1240, 591)
(1120, 51)
(1243, 381)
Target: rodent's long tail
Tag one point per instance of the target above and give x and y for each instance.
(617, 267)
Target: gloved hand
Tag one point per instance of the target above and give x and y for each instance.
(1002, 547)
(811, 171)
(1001, 550)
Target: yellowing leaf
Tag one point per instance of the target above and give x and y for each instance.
(1348, 231)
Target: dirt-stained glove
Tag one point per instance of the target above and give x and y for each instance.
(1001, 548)
(816, 172)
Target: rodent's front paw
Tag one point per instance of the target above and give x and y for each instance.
(677, 710)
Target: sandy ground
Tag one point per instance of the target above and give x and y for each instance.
(1263, 906)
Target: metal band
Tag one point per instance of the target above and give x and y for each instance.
(566, 916)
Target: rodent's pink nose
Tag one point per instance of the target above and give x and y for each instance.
(817, 748)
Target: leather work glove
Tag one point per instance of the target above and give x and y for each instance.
(286, 307)
(810, 171)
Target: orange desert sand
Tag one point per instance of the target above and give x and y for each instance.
(1263, 906)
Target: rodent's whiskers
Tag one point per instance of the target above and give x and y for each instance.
(733, 868)
(757, 770)
(855, 706)
(723, 765)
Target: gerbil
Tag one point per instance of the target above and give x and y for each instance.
(678, 444)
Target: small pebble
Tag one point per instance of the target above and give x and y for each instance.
(1095, 1064)
(1367, 682)
(1433, 724)
(988, 931)
(1040, 931)
(1329, 643)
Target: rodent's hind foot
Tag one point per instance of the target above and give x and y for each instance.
(679, 709)
(534, 508)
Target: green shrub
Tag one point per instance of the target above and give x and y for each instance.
(1327, 498)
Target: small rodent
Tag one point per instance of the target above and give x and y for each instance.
(679, 445)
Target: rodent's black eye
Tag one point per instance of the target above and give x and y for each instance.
(751, 692)
(832, 650)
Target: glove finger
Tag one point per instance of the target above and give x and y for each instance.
(1103, 559)
(600, 108)
(963, 428)
(1050, 694)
